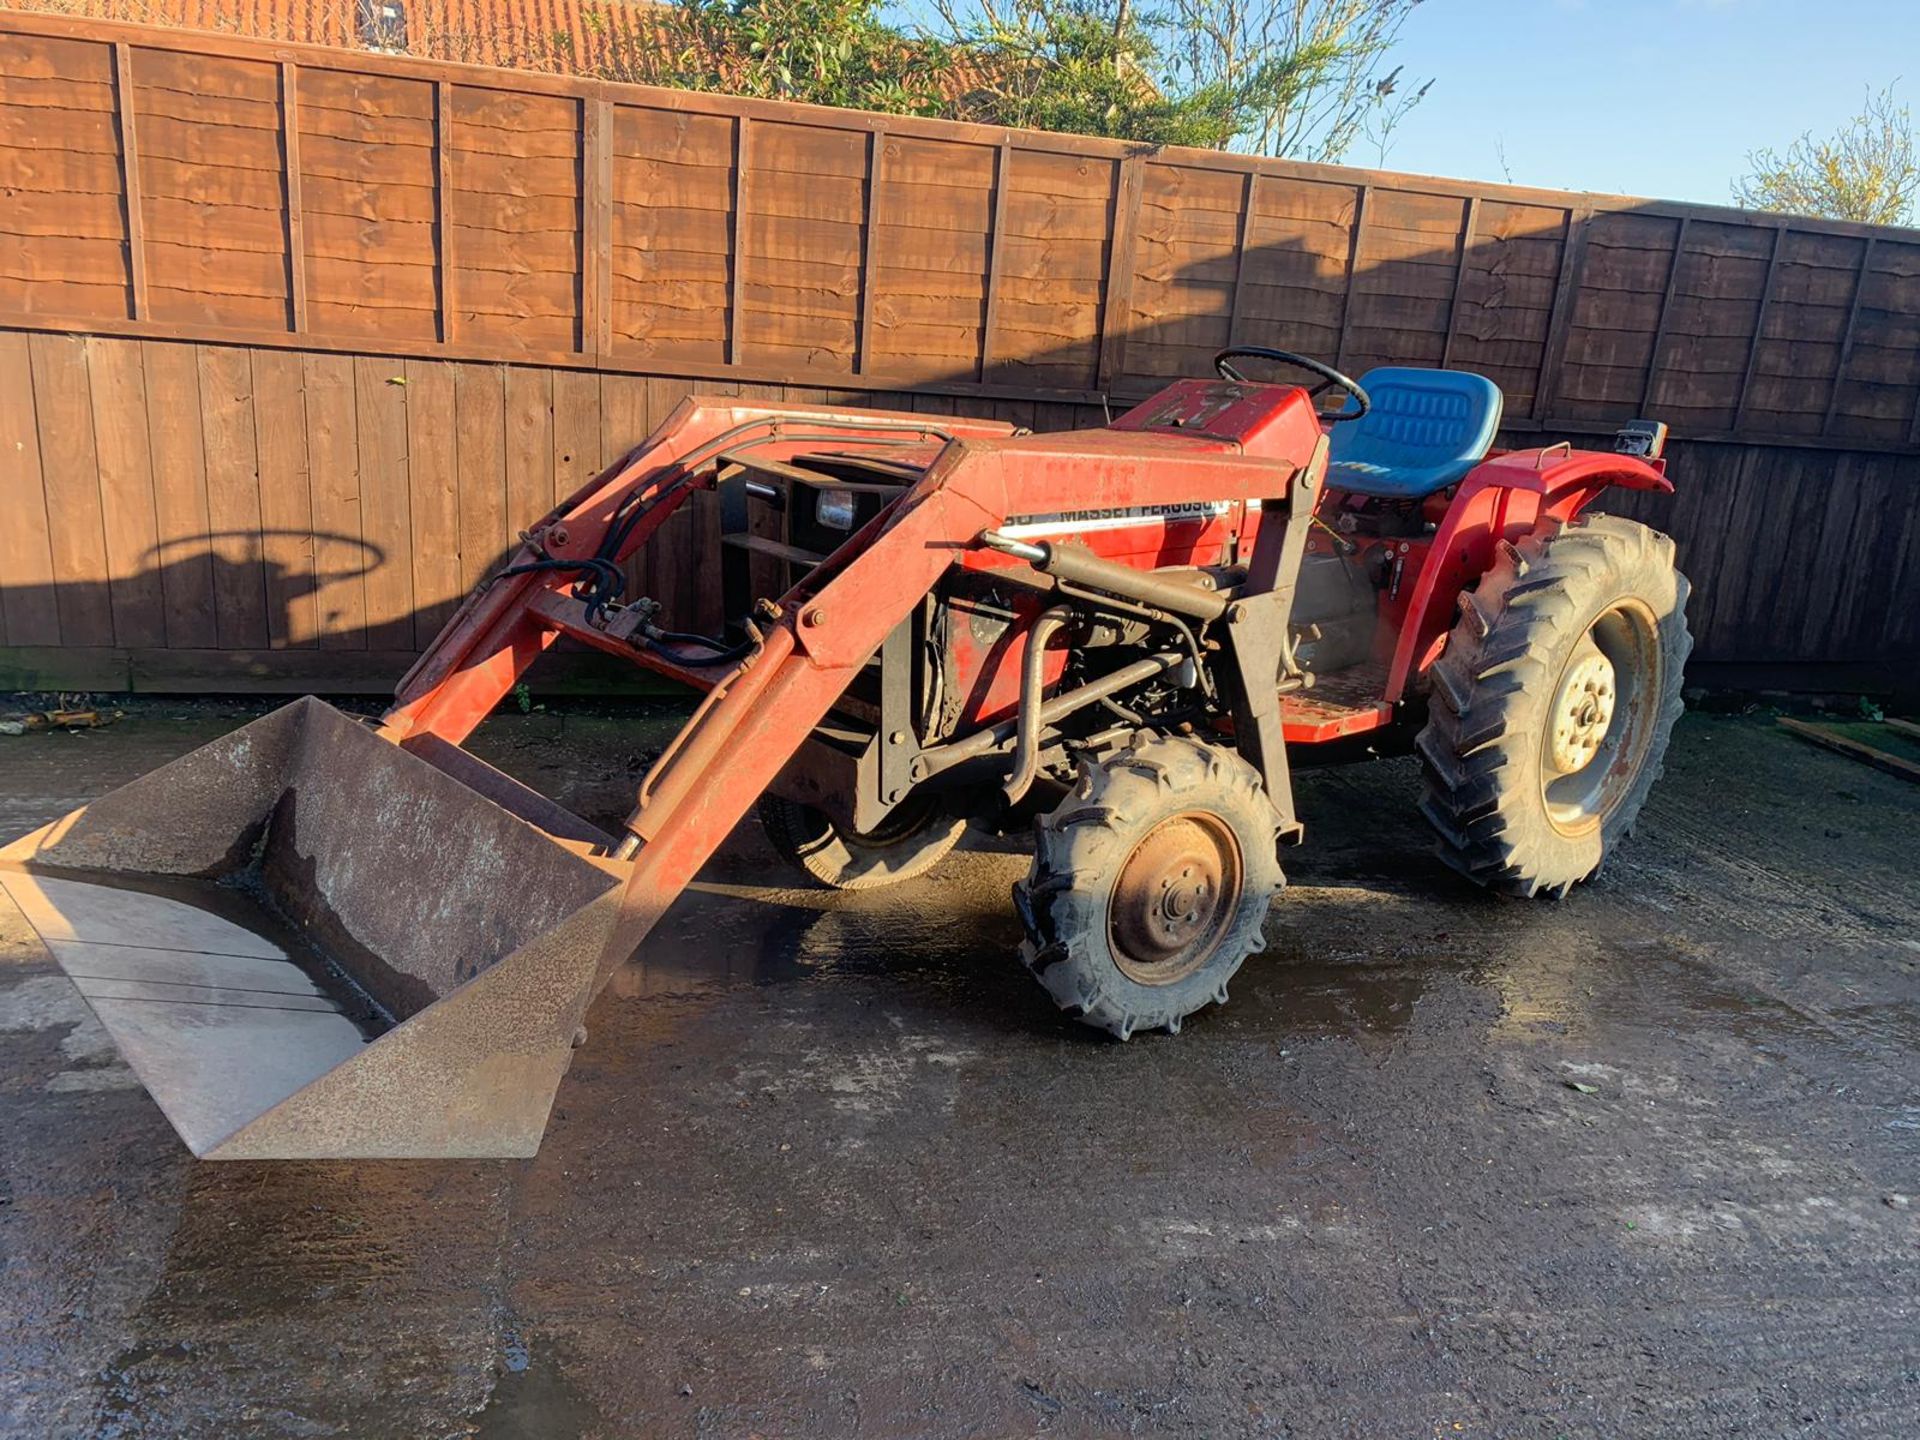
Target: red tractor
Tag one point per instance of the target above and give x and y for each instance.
(1116, 634)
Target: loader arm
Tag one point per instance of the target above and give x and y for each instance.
(511, 620)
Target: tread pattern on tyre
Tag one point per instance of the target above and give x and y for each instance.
(1492, 687)
(1078, 850)
(842, 864)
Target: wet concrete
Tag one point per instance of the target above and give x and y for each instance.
(1642, 1163)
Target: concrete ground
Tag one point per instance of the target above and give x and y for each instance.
(1642, 1163)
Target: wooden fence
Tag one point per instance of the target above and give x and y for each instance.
(167, 183)
(291, 338)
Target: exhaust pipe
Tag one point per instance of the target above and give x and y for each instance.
(1078, 565)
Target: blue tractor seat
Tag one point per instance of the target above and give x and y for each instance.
(1426, 430)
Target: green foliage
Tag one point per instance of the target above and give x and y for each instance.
(1866, 171)
(821, 52)
(1279, 77)
(1288, 77)
(1083, 68)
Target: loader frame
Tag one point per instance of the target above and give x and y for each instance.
(806, 649)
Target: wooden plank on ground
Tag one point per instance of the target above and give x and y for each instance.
(1853, 749)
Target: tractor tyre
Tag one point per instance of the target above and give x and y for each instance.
(1552, 704)
(907, 844)
(1150, 884)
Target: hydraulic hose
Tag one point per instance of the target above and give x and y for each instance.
(1026, 750)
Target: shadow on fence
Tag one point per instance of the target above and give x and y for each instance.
(1798, 554)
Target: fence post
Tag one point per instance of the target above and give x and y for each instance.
(1573, 256)
(1116, 316)
(126, 112)
(737, 239)
(1467, 228)
(1759, 326)
(1846, 340)
(876, 159)
(296, 208)
(443, 205)
(1362, 202)
(1236, 315)
(596, 228)
(1002, 177)
(1666, 305)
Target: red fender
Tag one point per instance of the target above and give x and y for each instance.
(1501, 499)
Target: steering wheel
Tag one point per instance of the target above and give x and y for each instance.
(1223, 362)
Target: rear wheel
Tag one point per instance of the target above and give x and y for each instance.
(1150, 884)
(913, 838)
(1553, 703)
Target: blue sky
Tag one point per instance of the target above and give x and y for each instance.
(1662, 98)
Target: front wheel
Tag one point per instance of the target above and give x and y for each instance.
(1553, 703)
(1150, 884)
(913, 839)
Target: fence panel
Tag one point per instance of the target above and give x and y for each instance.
(291, 339)
(170, 184)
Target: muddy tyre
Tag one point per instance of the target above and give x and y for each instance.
(1150, 885)
(908, 843)
(1552, 704)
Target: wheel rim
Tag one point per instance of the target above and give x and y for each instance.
(1600, 721)
(902, 823)
(1174, 898)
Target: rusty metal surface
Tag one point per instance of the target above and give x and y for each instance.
(473, 934)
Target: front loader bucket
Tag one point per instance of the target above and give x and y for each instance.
(310, 943)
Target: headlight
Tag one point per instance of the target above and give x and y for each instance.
(835, 510)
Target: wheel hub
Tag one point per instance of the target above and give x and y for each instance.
(1174, 898)
(1582, 711)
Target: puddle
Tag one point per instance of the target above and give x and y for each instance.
(532, 1397)
(724, 933)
